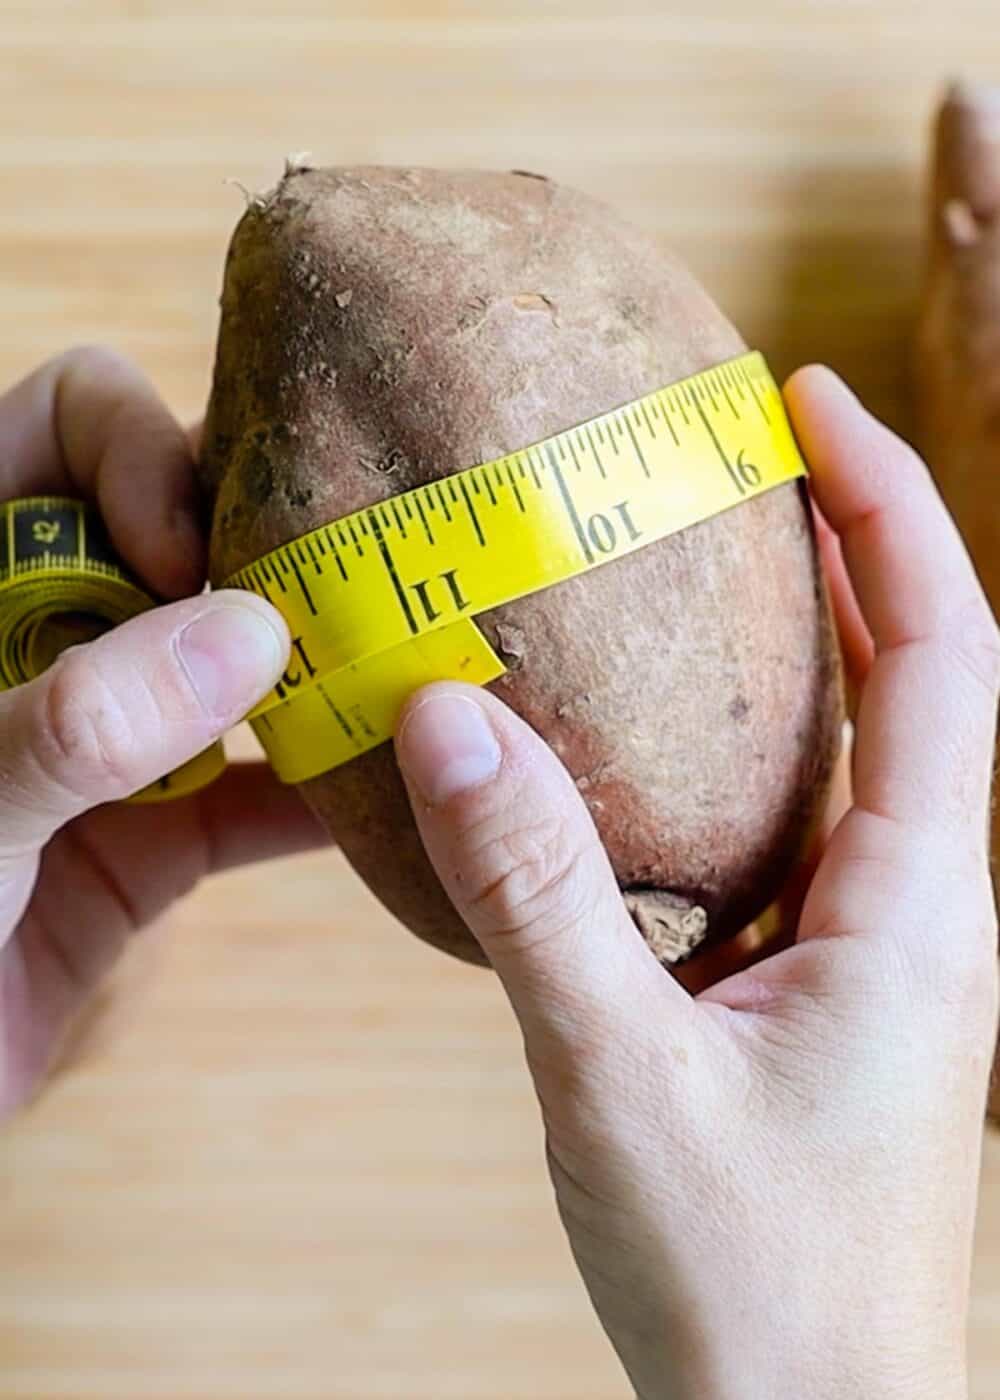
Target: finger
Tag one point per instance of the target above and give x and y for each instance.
(160, 851)
(109, 718)
(249, 815)
(789, 906)
(927, 718)
(517, 852)
(713, 964)
(778, 927)
(89, 423)
(856, 645)
(127, 865)
(124, 867)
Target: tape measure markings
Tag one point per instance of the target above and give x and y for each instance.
(744, 477)
(357, 591)
(382, 601)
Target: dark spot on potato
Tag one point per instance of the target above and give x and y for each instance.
(632, 312)
(389, 366)
(530, 175)
(258, 478)
(739, 708)
(232, 518)
(473, 312)
(575, 707)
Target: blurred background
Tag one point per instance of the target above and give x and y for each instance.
(299, 1158)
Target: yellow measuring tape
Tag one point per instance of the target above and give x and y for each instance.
(382, 601)
(60, 584)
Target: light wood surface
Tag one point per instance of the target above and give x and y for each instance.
(304, 1161)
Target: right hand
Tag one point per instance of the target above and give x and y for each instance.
(769, 1188)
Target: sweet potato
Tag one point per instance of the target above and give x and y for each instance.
(382, 328)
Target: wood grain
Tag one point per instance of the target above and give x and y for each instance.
(302, 1160)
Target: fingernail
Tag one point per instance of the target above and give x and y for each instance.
(446, 746)
(232, 655)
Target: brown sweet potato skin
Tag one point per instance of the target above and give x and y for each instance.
(381, 328)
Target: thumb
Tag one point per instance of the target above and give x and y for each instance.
(112, 716)
(515, 847)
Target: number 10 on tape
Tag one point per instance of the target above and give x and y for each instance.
(383, 600)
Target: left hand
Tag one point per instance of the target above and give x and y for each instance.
(80, 874)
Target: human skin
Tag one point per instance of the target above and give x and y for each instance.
(79, 877)
(769, 1188)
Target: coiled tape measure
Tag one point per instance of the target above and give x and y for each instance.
(61, 583)
(383, 601)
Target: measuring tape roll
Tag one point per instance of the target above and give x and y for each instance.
(60, 584)
(382, 601)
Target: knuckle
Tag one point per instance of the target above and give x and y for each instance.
(531, 880)
(84, 740)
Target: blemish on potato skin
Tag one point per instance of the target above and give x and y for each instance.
(512, 644)
(577, 705)
(632, 312)
(739, 708)
(389, 365)
(673, 925)
(258, 478)
(388, 464)
(473, 314)
(230, 519)
(485, 377)
(534, 301)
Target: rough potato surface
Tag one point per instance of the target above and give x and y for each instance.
(382, 328)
